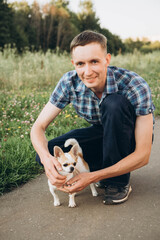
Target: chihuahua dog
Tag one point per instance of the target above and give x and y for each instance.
(72, 163)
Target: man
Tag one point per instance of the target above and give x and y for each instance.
(117, 103)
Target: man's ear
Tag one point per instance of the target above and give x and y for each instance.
(72, 62)
(108, 59)
(57, 151)
(75, 150)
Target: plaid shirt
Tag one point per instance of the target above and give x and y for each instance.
(70, 89)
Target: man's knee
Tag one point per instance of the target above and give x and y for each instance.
(112, 103)
(117, 105)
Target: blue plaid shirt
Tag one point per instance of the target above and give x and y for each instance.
(70, 89)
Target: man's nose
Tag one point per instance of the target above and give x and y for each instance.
(88, 70)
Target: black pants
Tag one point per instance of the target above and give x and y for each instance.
(106, 144)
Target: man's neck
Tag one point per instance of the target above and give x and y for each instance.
(99, 94)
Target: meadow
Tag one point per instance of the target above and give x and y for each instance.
(26, 83)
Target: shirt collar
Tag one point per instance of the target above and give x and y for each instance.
(111, 85)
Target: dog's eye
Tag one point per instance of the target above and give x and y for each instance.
(74, 164)
(65, 165)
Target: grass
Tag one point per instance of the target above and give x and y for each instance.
(18, 113)
(26, 83)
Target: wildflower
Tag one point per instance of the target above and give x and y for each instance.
(22, 136)
(9, 129)
(19, 127)
(2, 109)
(67, 116)
(76, 116)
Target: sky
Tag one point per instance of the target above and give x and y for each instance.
(125, 18)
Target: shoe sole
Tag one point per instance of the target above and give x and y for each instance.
(111, 202)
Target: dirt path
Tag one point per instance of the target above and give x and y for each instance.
(28, 213)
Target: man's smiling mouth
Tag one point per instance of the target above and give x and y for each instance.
(90, 79)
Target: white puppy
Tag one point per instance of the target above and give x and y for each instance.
(72, 163)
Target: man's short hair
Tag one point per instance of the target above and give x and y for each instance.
(87, 37)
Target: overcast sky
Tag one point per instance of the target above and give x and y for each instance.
(126, 18)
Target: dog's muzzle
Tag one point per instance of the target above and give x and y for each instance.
(71, 169)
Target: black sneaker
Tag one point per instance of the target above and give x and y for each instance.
(100, 184)
(116, 194)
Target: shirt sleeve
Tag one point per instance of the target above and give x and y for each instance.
(139, 95)
(60, 95)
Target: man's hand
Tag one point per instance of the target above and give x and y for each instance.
(51, 165)
(77, 183)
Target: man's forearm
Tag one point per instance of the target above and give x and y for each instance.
(38, 138)
(39, 142)
(128, 164)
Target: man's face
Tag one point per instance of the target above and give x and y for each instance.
(91, 63)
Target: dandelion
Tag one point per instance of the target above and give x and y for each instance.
(67, 116)
(76, 116)
(19, 127)
(9, 129)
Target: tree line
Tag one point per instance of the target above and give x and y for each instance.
(53, 26)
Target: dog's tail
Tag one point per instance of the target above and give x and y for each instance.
(72, 141)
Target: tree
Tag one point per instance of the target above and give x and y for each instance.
(87, 16)
(62, 4)
(51, 26)
(57, 26)
(114, 43)
(35, 18)
(6, 20)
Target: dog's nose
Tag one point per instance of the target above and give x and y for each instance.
(71, 169)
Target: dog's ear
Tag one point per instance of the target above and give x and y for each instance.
(75, 150)
(57, 151)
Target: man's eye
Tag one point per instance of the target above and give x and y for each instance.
(65, 165)
(94, 61)
(80, 64)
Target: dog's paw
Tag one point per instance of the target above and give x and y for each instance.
(57, 203)
(72, 205)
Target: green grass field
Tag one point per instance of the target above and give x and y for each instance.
(26, 83)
